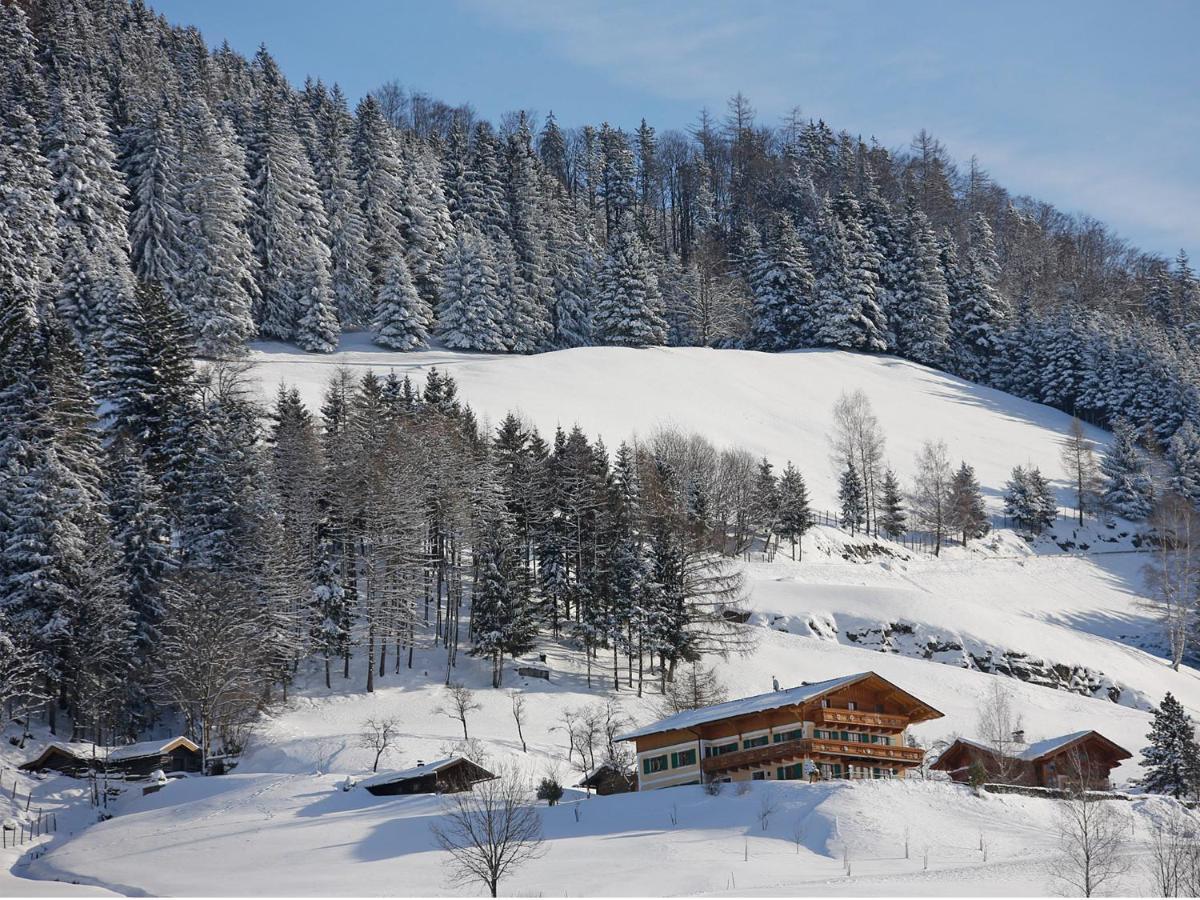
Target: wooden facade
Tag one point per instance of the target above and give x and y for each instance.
(1083, 759)
(852, 727)
(606, 780)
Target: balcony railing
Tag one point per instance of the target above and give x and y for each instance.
(786, 751)
(830, 716)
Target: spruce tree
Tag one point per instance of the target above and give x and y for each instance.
(289, 227)
(783, 286)
(1183, 450)
(892, 519)
(628, 310)
(218, 286)
(1126, 487)
(1172, 759)
(151, 162)
(920, 317)
(852, 499)
(402, 317)
(470, 315)
(795, 514)
(967, 513)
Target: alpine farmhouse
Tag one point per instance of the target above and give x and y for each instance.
(850, 727)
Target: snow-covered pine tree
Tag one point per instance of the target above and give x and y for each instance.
(967, 513)
(977, 319)
(470, 316)
(349, 275)
(425, 227)
(1172, 759)
(783, 293)
(288, 225)
(852, 499)
(531, 300)
(218, 283)
(847, 312)
(570, 263)
(1127, 489)
(891, 517)
(90, 195)
(380, 185)
(920, 315)
(28, 229)
(150, 159)
(1183, 450)
(795, 514)
(402, 316)
(628, 309)
(483, 187)
(142, 541)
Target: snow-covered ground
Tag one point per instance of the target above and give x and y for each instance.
(280, 834)
(277, 826)
(776, 405)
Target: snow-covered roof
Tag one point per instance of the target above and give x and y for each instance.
(745, 706)
(87, 751)
(1038, 749)
(415, 772)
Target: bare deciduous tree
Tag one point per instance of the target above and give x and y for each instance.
(518, 712)
(490, 831)
(1092, 835)
(857, 441)
(931, 490)
(1080, 464)
(998, 724)
(1174, 572)
(378, 735)
(1174, 859)
(460, 700)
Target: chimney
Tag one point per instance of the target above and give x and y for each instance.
(1019, 736)
(420, 762)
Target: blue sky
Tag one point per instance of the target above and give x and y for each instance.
(1094, 106)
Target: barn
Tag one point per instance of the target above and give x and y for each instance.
(138, 760)
(445, 776)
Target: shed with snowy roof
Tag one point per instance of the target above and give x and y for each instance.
(444, 776)
(1082, 758)
(177, 754)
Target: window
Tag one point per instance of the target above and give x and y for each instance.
(758, 776)
(653, 764)
(851, 705)
(755, 742)
(683, 758)
(794, 735)
(720, 748)
(825, 704)
(790, 773)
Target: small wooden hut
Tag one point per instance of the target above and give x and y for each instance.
(445, 776)
(607, 780)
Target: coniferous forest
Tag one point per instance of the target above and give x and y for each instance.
(166, 549)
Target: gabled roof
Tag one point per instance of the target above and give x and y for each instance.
(1039, 749)
(421, 771)
(87, 752)
(773, 700)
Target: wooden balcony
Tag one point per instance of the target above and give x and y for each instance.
(826, 716)
(789, 751)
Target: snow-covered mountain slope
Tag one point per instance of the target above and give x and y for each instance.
(1065, 611)
(279, 834)
(774, 404)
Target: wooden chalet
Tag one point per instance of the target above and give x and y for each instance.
(1084, 758)
(131, 760)
(445, 776)
(607, 780)
(850, 727)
